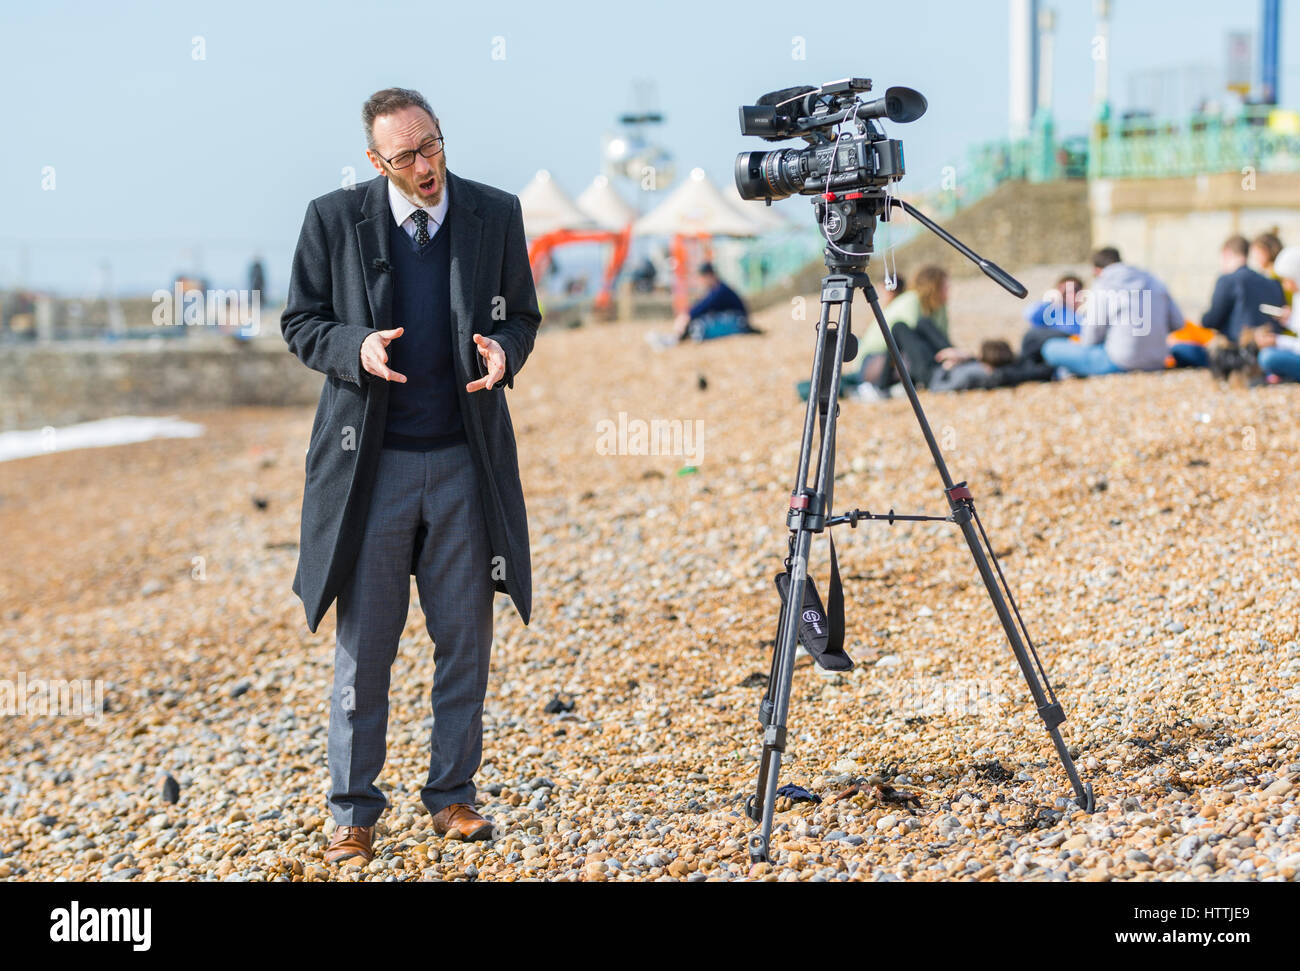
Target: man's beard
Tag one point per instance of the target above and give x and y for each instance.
(414, 194)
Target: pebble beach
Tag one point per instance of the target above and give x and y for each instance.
(1142, 522)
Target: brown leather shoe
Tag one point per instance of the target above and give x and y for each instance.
(351, 841)
(459, 821)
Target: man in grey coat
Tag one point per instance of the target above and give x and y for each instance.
(413, 295)
(1124, 325)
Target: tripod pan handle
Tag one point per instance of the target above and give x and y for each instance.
(1002, 278)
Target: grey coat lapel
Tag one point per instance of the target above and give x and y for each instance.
(372, 239)
(466, 232)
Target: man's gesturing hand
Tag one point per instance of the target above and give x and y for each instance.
(496, 363)
(374, 358)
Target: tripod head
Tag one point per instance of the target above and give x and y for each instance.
(848, 223)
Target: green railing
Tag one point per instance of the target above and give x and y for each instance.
(1261, 139)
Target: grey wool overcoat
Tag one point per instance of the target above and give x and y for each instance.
(340, 290)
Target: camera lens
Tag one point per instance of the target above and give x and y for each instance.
(768, 175)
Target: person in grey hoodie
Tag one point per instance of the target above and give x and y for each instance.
(1125, 326)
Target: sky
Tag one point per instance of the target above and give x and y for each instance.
(123, 148)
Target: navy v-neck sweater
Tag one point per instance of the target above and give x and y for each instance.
(423, 413)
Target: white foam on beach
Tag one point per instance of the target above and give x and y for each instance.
(94, 434)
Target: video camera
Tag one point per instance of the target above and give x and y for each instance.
(832, 163)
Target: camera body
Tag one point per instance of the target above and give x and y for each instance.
(856, 162)
(862, 162)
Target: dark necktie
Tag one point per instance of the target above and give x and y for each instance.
(421, 226)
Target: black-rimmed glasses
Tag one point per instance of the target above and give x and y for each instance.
(428, 148)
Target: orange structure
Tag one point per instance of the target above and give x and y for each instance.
(539, 254)
(682, 245)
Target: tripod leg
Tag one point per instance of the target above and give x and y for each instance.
(963, 512)
(774, 731)
(807, 515)
(1049, 709)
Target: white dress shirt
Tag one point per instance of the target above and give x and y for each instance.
(402, 208)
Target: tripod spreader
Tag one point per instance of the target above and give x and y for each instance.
(854, 516)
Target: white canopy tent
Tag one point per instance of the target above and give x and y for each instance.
(696, 208)
(548, 208)
(604, 206)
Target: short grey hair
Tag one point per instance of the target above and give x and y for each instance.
(387, 101)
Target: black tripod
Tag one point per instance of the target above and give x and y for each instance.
(852, 223)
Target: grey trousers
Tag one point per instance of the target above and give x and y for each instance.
(438, 489)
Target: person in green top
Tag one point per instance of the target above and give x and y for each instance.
(928, 302)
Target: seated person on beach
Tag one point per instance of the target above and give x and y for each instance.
(1264, 251)
(1234, 308)
(1286, 270)
(1279, 353)
(719, 313)
(996, 366)
(1129, 317)
(920, 316)
(1056, 315)
(643, 277)
(933, 362)
(929, 356)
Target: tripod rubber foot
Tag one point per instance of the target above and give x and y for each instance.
(752, 810)
(1089, 802)
(757, 849)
